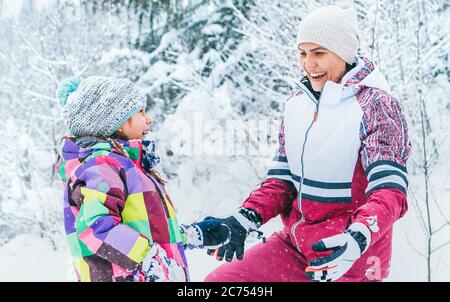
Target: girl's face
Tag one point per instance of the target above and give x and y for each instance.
(136, 127)
(320, 65)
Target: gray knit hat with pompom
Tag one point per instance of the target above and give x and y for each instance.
(98, 106)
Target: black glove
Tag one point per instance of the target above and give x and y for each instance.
(209, 233)
(240, 225)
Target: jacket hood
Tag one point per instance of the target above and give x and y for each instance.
(75, 151)
(365, 74)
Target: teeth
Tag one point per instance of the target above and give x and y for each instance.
(316, 75)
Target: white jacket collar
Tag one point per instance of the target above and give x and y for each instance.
(365, 74)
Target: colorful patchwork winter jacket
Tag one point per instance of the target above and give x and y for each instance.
(114, 210)
(341, 159)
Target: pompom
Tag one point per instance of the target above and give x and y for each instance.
(66, 87)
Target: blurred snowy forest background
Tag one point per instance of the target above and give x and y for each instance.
(208, 66)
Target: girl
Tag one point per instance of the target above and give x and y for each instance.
(339, 177)
(119, 220)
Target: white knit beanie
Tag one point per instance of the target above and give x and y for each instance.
(333, 27)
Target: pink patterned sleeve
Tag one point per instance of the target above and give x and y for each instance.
(385, 148)
(385, 145)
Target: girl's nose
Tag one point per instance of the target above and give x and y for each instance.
(149, 120)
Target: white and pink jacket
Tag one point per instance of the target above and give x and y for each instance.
(341, 159)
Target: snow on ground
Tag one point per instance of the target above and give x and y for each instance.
(406, 264)
(27, 258)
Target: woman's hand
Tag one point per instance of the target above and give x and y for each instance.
(347, 248)
(240, 225)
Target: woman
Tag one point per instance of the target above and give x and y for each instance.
(119, 220)
(339, 177)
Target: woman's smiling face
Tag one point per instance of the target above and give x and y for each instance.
(320, 65)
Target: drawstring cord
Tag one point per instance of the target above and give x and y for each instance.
(260, 235)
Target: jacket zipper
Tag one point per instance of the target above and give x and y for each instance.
(299, 196)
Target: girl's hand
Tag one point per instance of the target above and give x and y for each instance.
(210, 233)
(157, 267)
